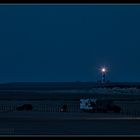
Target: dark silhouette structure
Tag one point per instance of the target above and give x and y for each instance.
(63, 108)
(24, 107)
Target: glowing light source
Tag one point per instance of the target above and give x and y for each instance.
(103, 70)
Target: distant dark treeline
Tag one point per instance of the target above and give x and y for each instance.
(65, 85)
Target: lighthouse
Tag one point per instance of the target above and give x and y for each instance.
(103, 72)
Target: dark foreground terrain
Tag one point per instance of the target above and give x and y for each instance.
(46, 119)
(53, 124)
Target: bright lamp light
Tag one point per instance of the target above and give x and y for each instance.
(103, 69)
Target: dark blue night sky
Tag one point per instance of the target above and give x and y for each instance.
(52, 43)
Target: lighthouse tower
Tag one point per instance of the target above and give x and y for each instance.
(103, 71)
